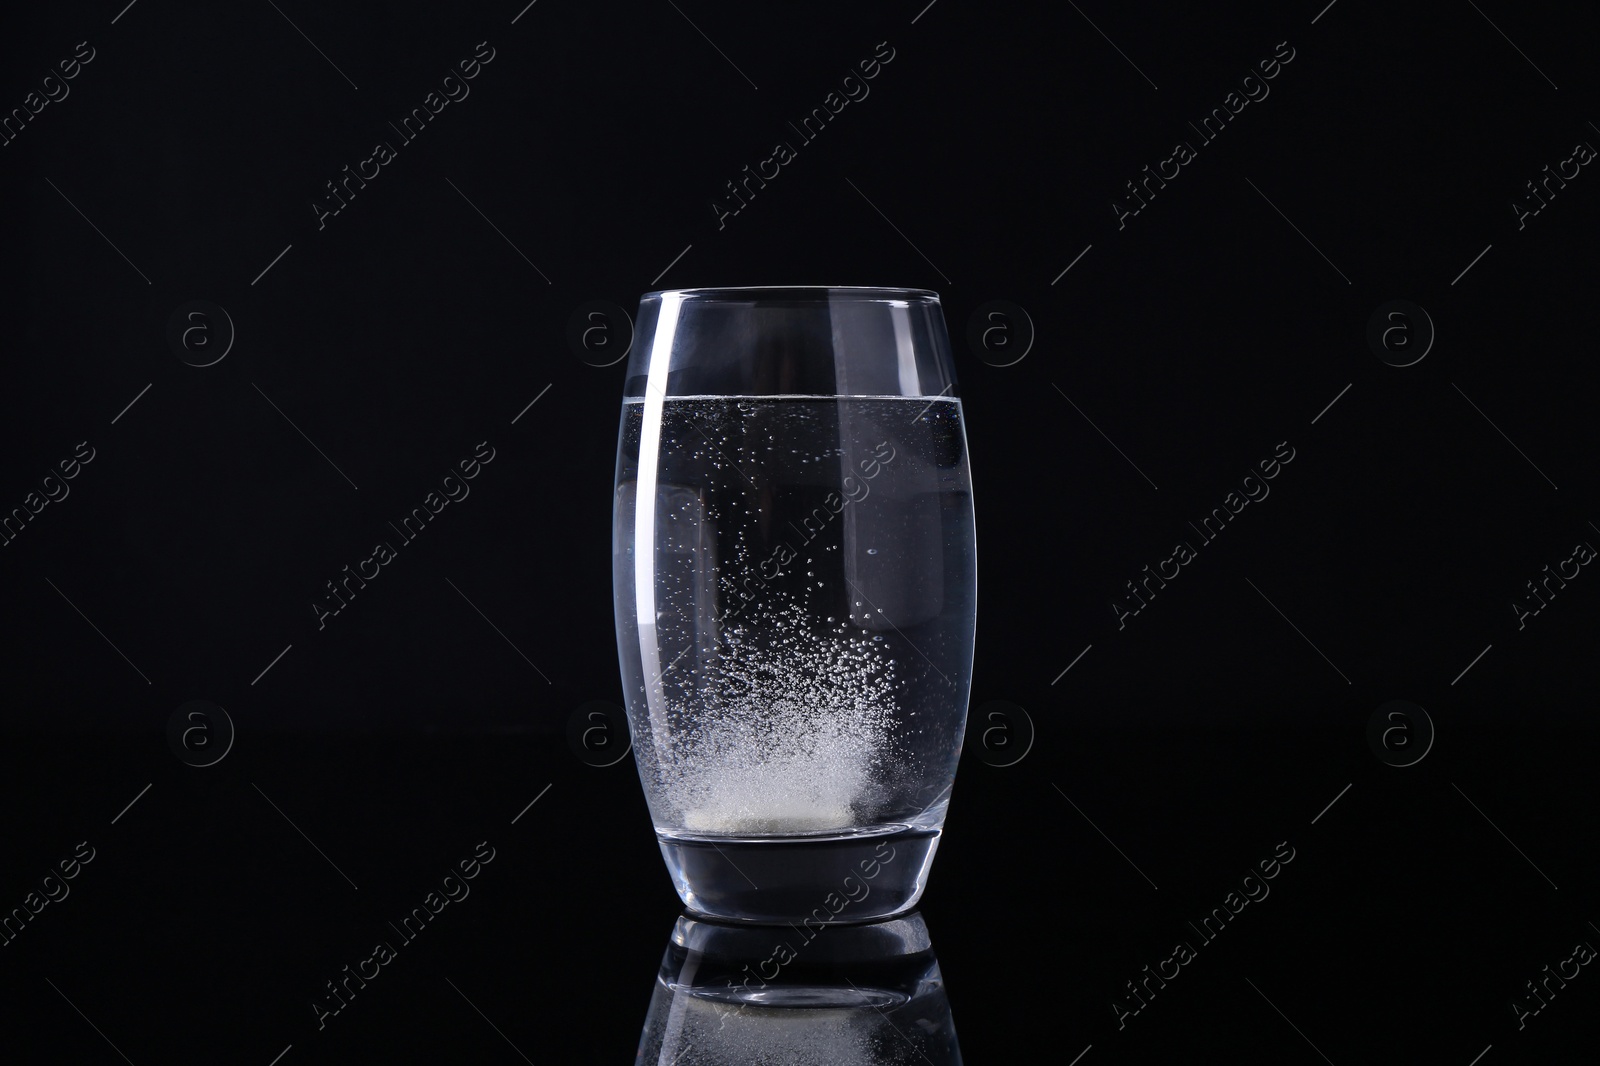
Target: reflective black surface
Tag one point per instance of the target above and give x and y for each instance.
(863, 994)
(1264, 569)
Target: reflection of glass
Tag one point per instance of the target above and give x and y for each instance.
(795, 586)
(837, 995)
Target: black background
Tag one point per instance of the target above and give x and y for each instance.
(1177, 751)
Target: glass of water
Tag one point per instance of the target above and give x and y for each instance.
(795, 582)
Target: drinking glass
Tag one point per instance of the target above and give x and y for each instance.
(795, 582)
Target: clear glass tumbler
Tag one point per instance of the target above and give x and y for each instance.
(795, 580)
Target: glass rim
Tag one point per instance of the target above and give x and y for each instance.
(792, 292)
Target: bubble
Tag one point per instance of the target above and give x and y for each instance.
(787, 736)
(872, 551)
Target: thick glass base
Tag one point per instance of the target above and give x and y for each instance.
(747, 994)
(814, 880)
